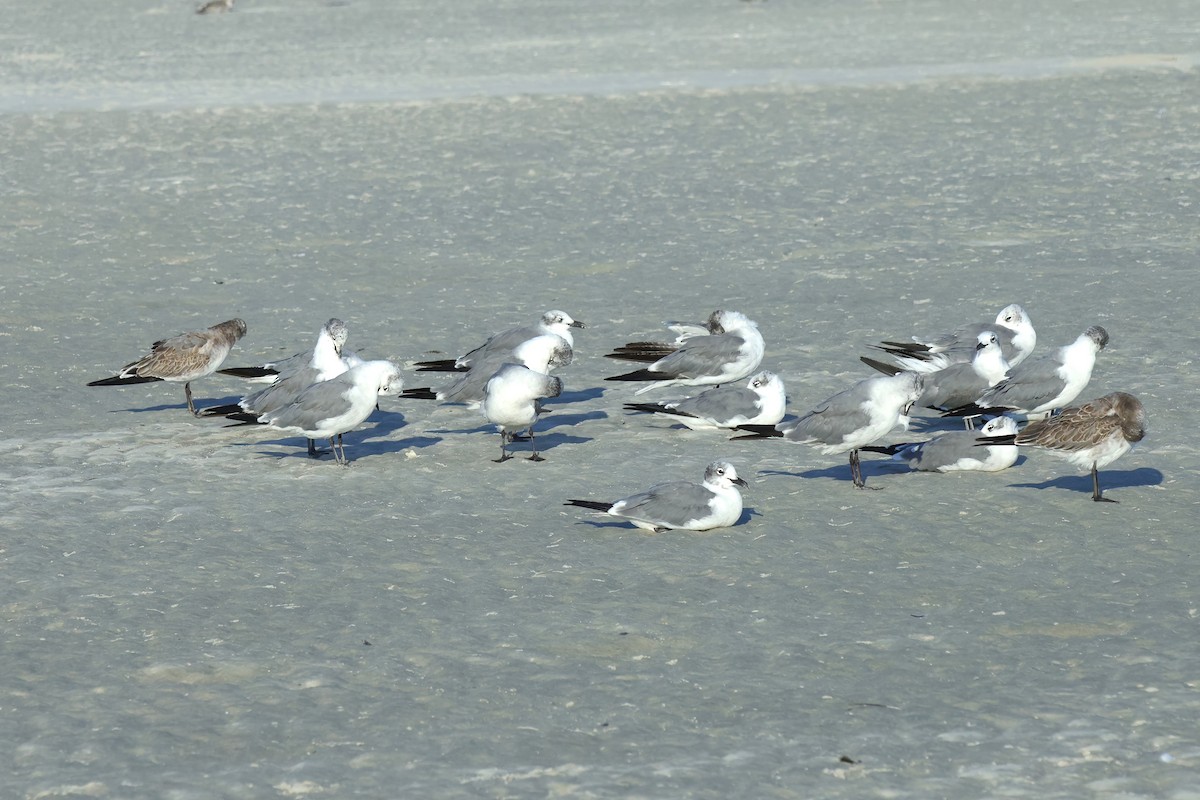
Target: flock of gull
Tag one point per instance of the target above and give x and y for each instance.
(982, 372)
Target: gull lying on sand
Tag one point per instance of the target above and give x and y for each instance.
(958, 450)
(681, 505)
(760, 402)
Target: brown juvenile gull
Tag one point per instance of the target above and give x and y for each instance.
(182, 358)
(1092, 435)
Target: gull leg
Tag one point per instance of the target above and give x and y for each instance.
(187, 391)
(313, 452)
(504, 456)
(1096, 495)
(535, 456)
(856, 470)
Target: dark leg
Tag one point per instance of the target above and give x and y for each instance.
(504, 456)
(187, 390)
(856, 470)
(313, 452)
(1096, 495)
(535, 456)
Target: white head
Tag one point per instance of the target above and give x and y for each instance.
(544, 353)
(999, 426)
(727, 321)
(722, 475)
(559, 322)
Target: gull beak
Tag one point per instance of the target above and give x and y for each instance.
(740, 482)
(576, 324)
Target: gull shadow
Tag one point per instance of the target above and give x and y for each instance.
(1109, 479)
(841, 472)
(550, 420)
(545, 442)
(576, 396)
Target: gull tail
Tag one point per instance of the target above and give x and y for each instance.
(887, 450)
(249, 372)
(886, 369)
(972, 410)
(639, 375)
(222, 411)
(423, 393)
(757, 432)
(646, 352)
(984, 441)
(123, 380)
(592, 504)
(441, 365)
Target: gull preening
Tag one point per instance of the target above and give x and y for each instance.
(731, 352)
(958, 450)
(512, 401)
(851, 419)
(292, 376)
(1092, 435)
(760, 402)
(541, 354)
(328, 409)
(1042, 385)
(182, 358)
(554, 322)
(331, 343)
(1012, 326)
(681, 505)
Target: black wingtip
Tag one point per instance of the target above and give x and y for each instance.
(117, 380)
(879, 366)
(887, 450)
(248, 372)
(221, 411)
(757, 432)
(244, 418)
(442, 365)
(423, 393)
(594, 505)
(639, 375)
(984, 441)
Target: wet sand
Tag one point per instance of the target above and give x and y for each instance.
(193, 611)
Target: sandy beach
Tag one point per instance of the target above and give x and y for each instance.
(193, 611)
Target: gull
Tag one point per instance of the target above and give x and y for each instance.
(540, 354)
(730, 353)
(959, 450)
(1092, 435)
(556, 322)
(681, 505)
(851, 419)
(512, 402)
(182, 358)
(760, 402)
(931, 353)
(331, 339)
(958, 384)
(323, 362)
(328, 409)
(1043, 385)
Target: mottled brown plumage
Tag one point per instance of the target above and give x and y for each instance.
(182, 358)
(1092, 435)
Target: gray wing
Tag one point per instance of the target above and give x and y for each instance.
(671, 505)
(1028, 385)
(319, 402)
(952, 387)
(959, 347)
(700, 356)
(290, 364)
(282, 392)
(942, 451)
(831, 421)
(469, 386)
(502, 342)
(721, 404)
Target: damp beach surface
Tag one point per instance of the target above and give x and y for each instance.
(194, 611)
